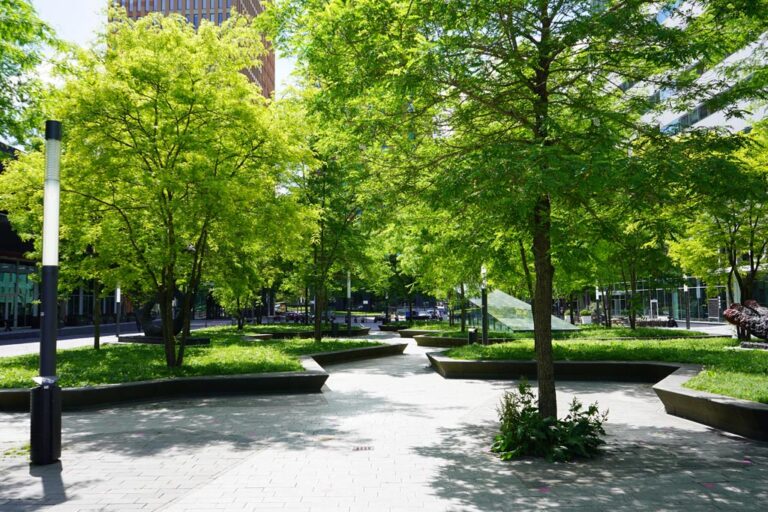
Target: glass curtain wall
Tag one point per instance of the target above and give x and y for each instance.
(17, 294)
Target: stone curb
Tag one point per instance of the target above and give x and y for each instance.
(410, 333)
(742, 417)
(426, 340)
(310, 380)
(305, 335)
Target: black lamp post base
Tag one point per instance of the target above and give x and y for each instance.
(45, 408)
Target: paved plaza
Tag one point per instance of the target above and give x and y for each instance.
(386, 434)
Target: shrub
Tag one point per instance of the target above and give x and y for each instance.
(585, 312)
(524, 432)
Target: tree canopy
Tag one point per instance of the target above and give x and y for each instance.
(22, 39)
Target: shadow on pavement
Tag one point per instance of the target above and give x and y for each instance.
(678, 470)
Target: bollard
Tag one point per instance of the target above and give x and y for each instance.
(472, 336)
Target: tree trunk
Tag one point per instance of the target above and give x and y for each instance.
(166, 316)
(319, 310)
(463, 305)
(240, 316)
(96, 314)
(633, 299)
(260, 310)
(572, 307)
(410, 310)
(526, 270)
(607, 293)
(187, 303)
(542, 300)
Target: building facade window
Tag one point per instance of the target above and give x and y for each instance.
(194, 20)
(204, 4)
(220, 18)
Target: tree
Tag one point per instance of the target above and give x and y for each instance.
(726, 236)
(531, 87)
(330, 187)
(174, 146)
(338, 239)
(249, 259)
(22, 38)
(82, 263)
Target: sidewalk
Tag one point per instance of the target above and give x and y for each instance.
(70, 337)
(385, 435)
(29, 335)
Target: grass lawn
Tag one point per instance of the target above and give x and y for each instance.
(342, 314)
(227, 355)
(592, 333)
(736, 373)
(425, 325)
(289, 327)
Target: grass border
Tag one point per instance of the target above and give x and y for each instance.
(310, 380)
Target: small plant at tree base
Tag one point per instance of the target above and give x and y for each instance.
(525, 432)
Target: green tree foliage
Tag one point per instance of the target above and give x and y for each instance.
(727, 236)
(516, 103)
(331, 188)
(83, 261)
(169, 153)
(22, 39)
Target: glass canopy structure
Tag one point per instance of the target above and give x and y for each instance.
(514, 314)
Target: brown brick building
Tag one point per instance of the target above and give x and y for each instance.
(215, 11)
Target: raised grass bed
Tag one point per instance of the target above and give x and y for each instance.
(229, 365)
(157, 340)
(590, 332)
(727, 371)
(427, 340)
(257, 337)
(410, 333)
(288, 331)
(428, 325)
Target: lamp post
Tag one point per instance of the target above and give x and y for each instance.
(349, 302)
(117, 307)
(45, 398)
(484, 302)
(597, 303)
(687, 298)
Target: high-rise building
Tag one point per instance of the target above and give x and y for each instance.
(214, 11)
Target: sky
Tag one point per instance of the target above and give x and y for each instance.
(78, 21)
